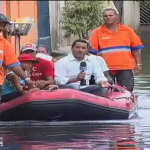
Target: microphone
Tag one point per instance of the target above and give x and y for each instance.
(82, 69)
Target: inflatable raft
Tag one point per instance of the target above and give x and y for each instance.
(70, 105)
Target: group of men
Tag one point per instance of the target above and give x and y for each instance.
(116, 43)
(113, 43)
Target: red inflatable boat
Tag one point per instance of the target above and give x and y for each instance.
(70, 105)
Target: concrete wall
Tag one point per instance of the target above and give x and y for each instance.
(131, 14)
(55, 10)
(21, 9)
(144, 32)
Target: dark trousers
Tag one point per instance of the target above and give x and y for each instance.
(91, 89)
(124, 78)
(96, 90)
(10, 96)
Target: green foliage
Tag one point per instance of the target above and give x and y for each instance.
(80, 17)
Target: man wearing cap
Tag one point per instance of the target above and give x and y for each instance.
(43, 72)
(8, 59)
(42, 52)
(14, 86)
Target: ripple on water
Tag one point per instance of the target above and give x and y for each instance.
(90, 135)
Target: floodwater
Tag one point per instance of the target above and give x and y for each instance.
(91, 135)
(133, 134)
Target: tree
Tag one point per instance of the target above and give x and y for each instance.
(80, 17)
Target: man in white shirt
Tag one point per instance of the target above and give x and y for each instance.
(68, 73)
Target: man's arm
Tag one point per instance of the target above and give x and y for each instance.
(94, 42)
(136, 46)
(48, 72)
(106, 74)
(19, 72)
(61, 72)
(49, 80)
(98, 73)
(137, 56)
(11, 62)
(101, 79)
(15, 81)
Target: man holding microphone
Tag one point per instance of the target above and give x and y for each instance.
(75, 70)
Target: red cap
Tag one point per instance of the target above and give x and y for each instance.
(26, 57)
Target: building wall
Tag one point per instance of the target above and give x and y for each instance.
(131, 14)
(55, 10)
(21, 9)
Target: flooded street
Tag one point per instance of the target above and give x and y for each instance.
(133, 134)
(95, 135)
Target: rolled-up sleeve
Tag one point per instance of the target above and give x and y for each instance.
(99, 75)
(61, 72)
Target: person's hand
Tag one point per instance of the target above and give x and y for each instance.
(105, 84)
(52, 87)
(111, 81)
(138, 69)
(41, 84)
(30, 84)
(81, 75)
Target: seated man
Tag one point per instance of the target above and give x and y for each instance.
(42, 52)
(13, 86)
(69, 74)
(43, 72)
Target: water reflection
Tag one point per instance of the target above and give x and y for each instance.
(90, 137)
(133, 134)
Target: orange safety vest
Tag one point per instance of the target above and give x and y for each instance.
(116, 47)
(7, 57)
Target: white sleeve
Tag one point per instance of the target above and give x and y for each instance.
(98, 74)
(102, 63)
(61, 72)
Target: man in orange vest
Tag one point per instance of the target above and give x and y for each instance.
(8, 59)
(119, 45)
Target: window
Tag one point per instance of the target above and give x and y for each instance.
(144, 13)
